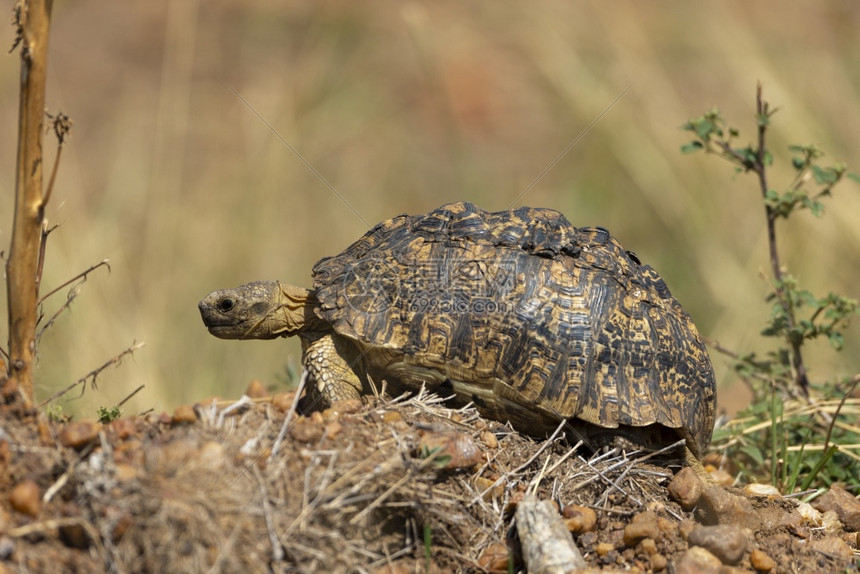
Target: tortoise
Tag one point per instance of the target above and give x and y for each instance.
(528, 317)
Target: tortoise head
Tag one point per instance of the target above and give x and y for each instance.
(258, 310)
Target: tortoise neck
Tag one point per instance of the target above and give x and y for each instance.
(296, 311)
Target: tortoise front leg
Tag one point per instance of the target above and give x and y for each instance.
(331, 363)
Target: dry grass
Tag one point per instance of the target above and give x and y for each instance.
(183, 187)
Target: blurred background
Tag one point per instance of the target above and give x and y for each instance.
(178, 168)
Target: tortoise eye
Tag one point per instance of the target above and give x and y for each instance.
(226, 304)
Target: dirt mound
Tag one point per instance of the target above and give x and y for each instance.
(402, 485)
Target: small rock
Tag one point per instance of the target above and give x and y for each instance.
(648, 546)
(718, 506)
(347, 407)
(489, 439)
(184, 414)
(697, 560)
(846, 506)
(726, 542)
(757, 489)
(126, 472)
(494, 558)
(831, 523)
(283, 401)
(122, 428)
(25, 498)
(459, 448)
(77, 435)
(579, 519)
(256, 390)
(686, 488)
(834, 546)
(761, 562)
(306, 430)
(643, 525)
(603, 548)
(317, 417)
(658, 562)
(391, 417)
(809, 514)
(333, 429)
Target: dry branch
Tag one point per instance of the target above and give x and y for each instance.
(33, 23)
(94, 374)
(548, 547)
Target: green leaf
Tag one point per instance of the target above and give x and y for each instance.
(853, 176)
(753, 452)
(692, 147)
(824, 175)
(837, 341)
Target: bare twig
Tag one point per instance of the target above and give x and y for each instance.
(131, 394)
(73, 293)
(62, 125)
(82, 275)
(93, 375)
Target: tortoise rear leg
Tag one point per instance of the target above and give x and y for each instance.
(331, 363)
(694, 463)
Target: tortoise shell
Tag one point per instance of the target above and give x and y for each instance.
(531, 318)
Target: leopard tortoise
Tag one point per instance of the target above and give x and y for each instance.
(529, 318)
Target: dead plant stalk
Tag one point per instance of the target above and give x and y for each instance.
(33, 19)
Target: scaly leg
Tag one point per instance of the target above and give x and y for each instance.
(331, 362)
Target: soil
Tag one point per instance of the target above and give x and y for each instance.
(403, 485)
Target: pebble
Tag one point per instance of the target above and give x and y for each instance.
(718, 506)
(184, 414)
(761, 562)
(834, 546)
(757, 489)
(643, 525)
(347, 407)
(126, 472)
(726, 542)
(283, 401)
(658, 562)
(79, 434)
(333, 429)
(603, 548)
(391, 417)
(697, 560)
(256, 390)
(306, 430)
(846, 506)
(25, 498)
(686, 488)
(489, 439)
(494, 558)
(458, 446)
(648, 546)
(579, 519)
